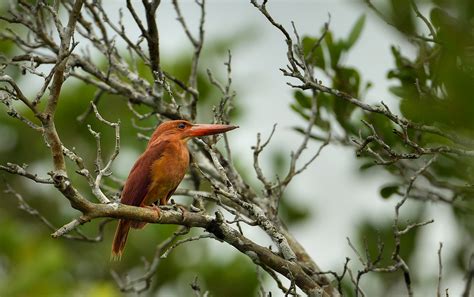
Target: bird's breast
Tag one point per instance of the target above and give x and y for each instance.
(171, 166)
(167, 172)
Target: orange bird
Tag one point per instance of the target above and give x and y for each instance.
(159, 170)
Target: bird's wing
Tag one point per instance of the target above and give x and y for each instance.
(138, 181)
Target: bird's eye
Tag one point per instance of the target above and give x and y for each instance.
(181, 125)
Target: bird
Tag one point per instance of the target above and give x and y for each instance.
(158, 171)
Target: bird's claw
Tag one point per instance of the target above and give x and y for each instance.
(154, 207)
(184, 211)
(180, 207)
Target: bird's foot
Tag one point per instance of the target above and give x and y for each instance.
(155, 208)
(182, 208)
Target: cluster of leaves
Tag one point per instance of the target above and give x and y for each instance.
(436, 88)
(433, 88)
(327, 58)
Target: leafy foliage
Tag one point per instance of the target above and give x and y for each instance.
(343, 78)
(433, 88)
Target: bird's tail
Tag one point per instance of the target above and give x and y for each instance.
(120, 239)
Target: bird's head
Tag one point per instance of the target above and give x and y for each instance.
(184, 130)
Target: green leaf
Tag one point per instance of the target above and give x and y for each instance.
(300, 111)
(318, 57)
(328, 39)
(335, 51)
(293, 213)
(325, 101)
(367, 165)
(315, 56)
(348, 81)
(334, 48)
(389, 190)
(322, 123)
(303, 100)
(355, 33)
(398, 91)
(402, 16)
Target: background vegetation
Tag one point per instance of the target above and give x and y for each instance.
(434, 89)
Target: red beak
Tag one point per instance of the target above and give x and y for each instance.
(209, 129)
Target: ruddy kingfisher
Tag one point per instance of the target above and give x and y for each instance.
(159, 170)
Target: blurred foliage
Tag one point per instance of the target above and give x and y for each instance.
(33, 264)
(433, 87)
(327, 58)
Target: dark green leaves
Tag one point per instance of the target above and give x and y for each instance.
(325, 54)
(388, 190)
(355, 32)
(303, 100)
(313, 53)
(402, 16)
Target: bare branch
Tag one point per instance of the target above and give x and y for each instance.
(51, 135)
(19, 94)
(6, 99)
(98, 94)
(389, 22)
(337, 276)
(21, 170)
(197, 289)
(70, 226)
(469, 277)
(292, 171)
(119, 75)
(103, 171)
(440, 271)
(257, 149)
(151, 34)
(359, 290)
(256, 212)
(289, 42)
(424, 19)
(197, 44)
(180, 242)
(23, 205)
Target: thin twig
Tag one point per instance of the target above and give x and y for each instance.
(440, 271)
